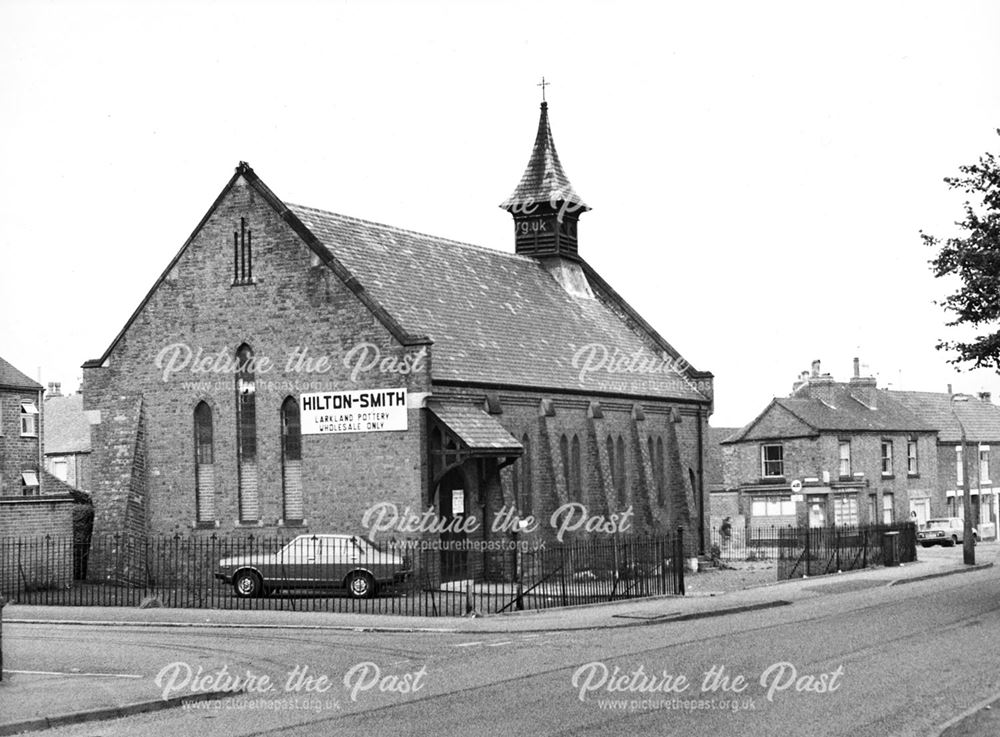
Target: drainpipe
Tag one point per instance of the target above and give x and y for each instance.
(701, 485)
(41, 431)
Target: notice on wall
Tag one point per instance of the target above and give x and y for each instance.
(363, 410)
(457, 501)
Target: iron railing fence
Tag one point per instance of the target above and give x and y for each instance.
(410, 577)
(805, 551)
(743, 543)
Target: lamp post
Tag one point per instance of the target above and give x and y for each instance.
(968, 542)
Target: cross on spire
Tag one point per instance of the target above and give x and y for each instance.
(543, 84)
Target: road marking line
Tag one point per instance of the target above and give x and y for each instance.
(61, 673)
(468, 644)
(498, 644)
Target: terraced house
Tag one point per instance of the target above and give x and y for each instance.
(980, 418)
(843, 453)
(292, 367)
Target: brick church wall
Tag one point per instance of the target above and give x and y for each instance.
(295, 304)
(522, 415)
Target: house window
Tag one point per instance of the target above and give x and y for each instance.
(772, 461)
(204, 453)
(291, 460)
(872, 509)
(845, 458)
(845, 510)
(887, 458)
(246, 434)
(959, 465)
(29, 483)
(888, 516)
(912, 468)
(60, 469)
(984, 464)
(772, 506)
(29, 419)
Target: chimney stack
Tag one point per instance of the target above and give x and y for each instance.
(815, 367)
(985, 397)
(55, 388)
(800, 382)
(863, 388)
(949, 390)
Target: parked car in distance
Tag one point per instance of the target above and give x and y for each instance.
(944, 531)
(315, 562)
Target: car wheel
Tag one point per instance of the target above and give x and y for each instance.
(361, 585)
(926, 545)
(954, 541)
(247, 584)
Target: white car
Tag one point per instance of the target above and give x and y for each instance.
(944, 531)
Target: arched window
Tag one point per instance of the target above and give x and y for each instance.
(612, 467)
(246, 434)
(291, 460)
(567, 474)
(524, 492)
(576, 475)
(661, 474)
(621, 481)
(204, 458)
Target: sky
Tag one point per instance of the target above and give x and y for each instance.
(759, 172)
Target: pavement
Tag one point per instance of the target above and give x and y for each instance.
(26, 697)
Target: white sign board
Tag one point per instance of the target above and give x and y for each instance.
(796, 486)
(457, 501)
(798, 497)
(362, 410)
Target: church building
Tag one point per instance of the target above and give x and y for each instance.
(296, 370)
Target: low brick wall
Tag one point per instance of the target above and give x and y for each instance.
(31, 565)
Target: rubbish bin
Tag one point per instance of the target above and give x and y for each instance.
(890, 548)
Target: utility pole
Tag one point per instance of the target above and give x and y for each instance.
(968, 542)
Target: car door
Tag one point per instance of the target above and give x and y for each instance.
(346, 560)
(291, 566)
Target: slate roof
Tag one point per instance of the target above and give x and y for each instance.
(494, 317)
(848, 415)
(66, 426)
(477, 429)
(11, 378)
(544, 179)
(981, 419)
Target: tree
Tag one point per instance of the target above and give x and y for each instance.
(974, 257)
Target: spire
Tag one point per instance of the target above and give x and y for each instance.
(544, 204)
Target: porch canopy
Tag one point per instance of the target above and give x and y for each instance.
(460, 432)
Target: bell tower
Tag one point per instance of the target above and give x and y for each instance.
(544, 205)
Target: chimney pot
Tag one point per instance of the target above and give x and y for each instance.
(857, 367)
(815, 367)
(949, 390)
(986, 397)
